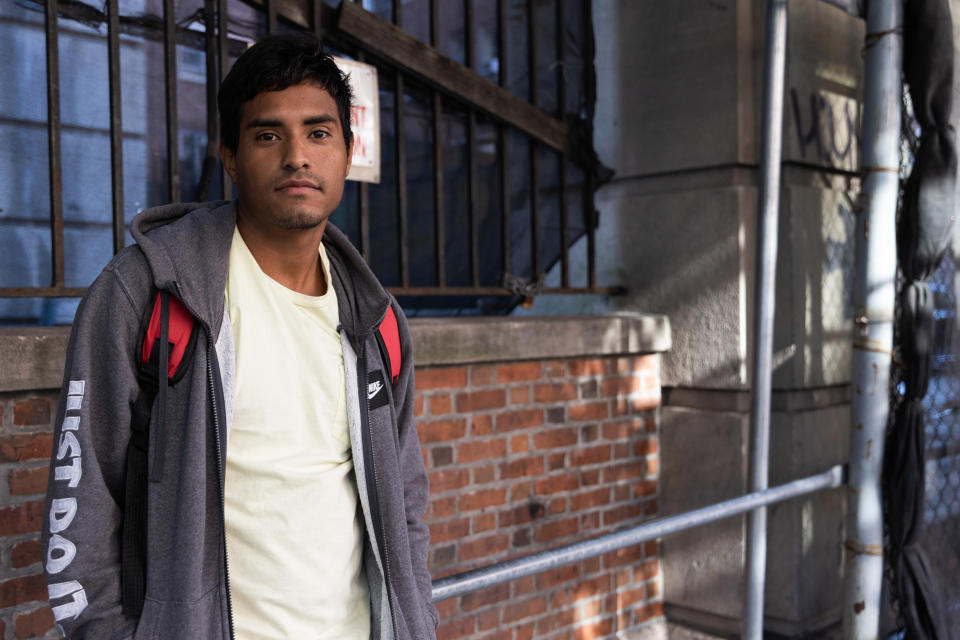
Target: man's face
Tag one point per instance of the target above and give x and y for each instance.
(291, 160)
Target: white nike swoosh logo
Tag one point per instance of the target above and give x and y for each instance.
(373, 389)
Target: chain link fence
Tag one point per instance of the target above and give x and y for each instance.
(932, 600)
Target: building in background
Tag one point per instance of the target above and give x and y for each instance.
(477, 213)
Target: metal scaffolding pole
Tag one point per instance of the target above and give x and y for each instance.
(873, 300)
(768, 211)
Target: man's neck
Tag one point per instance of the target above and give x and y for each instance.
(289, 256)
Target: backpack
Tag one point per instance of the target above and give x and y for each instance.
(168, 341)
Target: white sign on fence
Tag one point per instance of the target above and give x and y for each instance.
(364, 120)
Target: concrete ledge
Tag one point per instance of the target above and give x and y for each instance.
(739, 401)
(452, 341)
(33, 357)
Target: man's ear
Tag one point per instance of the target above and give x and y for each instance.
(229, 160)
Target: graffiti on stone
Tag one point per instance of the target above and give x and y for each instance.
(825, 128)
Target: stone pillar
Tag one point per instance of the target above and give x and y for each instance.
(678, 119)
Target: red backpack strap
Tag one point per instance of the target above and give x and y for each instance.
(169, 338)
(390, 334)
(182, 335)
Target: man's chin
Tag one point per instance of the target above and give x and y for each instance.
(299, 220)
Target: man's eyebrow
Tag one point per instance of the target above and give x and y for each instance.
(323, 119)
(320, 119)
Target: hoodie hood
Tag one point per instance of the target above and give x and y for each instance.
(361, 298)
(188, 245)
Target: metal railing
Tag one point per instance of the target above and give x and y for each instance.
(406, 62)
(476, 579)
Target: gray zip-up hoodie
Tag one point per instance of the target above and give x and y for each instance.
(184, 249)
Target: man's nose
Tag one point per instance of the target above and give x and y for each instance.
(295, 155)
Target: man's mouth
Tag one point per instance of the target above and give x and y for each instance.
(297, 186)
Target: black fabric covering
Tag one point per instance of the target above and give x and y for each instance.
(922, 589)
(928, 204)
(916, 333)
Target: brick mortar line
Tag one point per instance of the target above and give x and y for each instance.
(463, 415)
(8, 500)
(508, 507)
(545, 496)
(592, 466)
(542, 381)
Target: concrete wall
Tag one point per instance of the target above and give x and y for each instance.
(535, 433)
(706, 202)
(678, 118)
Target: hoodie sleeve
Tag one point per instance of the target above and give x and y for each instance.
(82, 519)
(415, 486)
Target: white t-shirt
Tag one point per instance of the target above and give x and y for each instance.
(294, 538)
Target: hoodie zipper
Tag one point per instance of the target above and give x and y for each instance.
(220, 477)
(372, 488)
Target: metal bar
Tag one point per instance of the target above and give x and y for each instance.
(502, 47)
(42, 292)
(874, 294)
(590, 216)
(472, 194)
(223, 38)
(532, 51)
(70, 292)
(534, 158)
(590, 89)
(561, 59)
(271, 7)
(440, 241)
(561, 109)
(496, 291)
(439, 221)
(210, 61)
(170, 96)
(476, 579)
(764, 304)
(53, 144)
(505, 206)
(317, 17)
(64, 126)
(535, 210)
(223, 60)
(419, 59)
(472, 188)
(564, 225)
(401, 181)
(116, 125)
(469, 41)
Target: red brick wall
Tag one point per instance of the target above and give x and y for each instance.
(26, 441)
(522, 456)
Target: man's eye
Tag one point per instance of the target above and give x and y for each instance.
(319, 133)
(267, 136)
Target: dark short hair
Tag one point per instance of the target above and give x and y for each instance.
(274, 64)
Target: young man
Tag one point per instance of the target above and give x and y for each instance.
(285, 484)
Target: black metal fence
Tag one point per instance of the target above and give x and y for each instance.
(488, 172)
